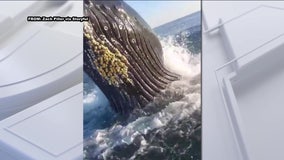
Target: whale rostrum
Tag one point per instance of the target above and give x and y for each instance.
(122, 55)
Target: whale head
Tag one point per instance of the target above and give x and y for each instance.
(122, 55)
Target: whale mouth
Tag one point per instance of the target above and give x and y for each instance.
(123, 56)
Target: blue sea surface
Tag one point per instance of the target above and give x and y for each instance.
(97, 111)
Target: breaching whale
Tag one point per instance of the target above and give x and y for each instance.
(122, 55)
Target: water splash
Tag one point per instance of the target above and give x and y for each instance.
(179, 59)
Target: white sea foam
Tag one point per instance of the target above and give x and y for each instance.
(179, 60)
(90, 97)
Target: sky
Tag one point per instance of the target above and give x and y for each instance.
(156, 13)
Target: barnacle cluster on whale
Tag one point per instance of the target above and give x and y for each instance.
(110, 63)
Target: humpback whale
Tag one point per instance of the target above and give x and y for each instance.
(123, 56)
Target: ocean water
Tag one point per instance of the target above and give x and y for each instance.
(170, 129)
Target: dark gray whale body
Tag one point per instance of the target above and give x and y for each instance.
(122, 55)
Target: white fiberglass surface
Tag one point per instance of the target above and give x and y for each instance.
(49, 130)
(50, 122)
(226, 10)
(45, 51)
(254, 28)
(253, 105)
(16, 8)
(259, 92)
